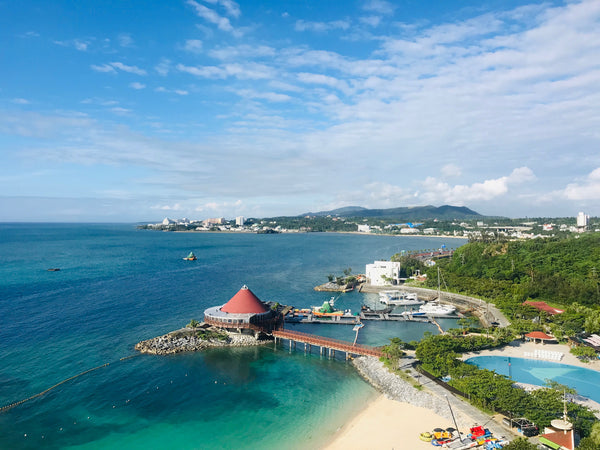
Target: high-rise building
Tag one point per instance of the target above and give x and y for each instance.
(239, 221)
(582, 220)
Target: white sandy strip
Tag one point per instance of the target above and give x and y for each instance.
(387, 424)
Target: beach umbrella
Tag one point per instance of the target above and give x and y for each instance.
(450, 429)
(438, 430)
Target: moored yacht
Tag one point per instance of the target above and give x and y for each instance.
(432, 309)
(399, 298)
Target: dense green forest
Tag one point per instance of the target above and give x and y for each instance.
(561, 272)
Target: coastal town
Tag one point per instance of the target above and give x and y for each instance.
(471, 227)
(412, 379)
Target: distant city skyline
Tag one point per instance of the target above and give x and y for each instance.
(135, 111)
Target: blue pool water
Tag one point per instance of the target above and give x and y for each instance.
(533, 371)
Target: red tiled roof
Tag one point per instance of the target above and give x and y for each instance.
(543, 306)
(561, 438)
(538, 335)
(244, 302)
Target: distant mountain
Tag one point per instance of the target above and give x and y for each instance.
(414, 213)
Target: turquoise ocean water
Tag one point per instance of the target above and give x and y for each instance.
(118, 285)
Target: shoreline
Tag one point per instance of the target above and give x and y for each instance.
(401, 412)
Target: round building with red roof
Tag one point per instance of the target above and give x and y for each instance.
(244, 311)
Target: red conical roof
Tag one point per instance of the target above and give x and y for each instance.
(244, 302)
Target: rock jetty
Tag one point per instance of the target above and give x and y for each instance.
(195, 339)
(396, 388)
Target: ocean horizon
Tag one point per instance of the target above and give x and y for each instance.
(118, 285)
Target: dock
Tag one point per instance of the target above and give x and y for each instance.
(331, 345)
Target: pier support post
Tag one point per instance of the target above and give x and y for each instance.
(305, 347)
(321, 350)
(290, 345)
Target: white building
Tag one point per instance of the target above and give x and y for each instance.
(382, 273)
(239, 221)
(582, 220)
(167, 221)
(364, 229)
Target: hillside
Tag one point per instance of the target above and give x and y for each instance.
(560, 271)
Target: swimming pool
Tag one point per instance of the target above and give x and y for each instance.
(534, 371)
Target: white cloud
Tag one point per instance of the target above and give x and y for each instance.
(120, 111)
(77, 44)
(436, 191)
(125, 40)
(321, 27)
(113, 66)
(174, 207)
(20, 101)
(163, 67)
(586, 189)
(137, 85)
(231, 7)
(125, 68)
(451, 170)
(193, 45)
(379, 6)
(247, 71)
(107, 68)
(372, 21)
(213, 17)
(270, 96)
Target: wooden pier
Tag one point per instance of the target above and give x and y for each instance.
(325, 344)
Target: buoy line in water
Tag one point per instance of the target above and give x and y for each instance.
(20, 402)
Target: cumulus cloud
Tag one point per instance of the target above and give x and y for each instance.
(137, 85)
(587, 189)
(437, 191)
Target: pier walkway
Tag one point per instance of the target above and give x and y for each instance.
(332, 345)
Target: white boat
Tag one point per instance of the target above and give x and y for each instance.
(432, 309)
(399, 298)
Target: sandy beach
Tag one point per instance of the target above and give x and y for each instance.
(393, 424)
(388, 424)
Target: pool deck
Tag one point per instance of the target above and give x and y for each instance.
(519, 349)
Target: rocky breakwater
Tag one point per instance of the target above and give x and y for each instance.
(195, 339)
(396, 388)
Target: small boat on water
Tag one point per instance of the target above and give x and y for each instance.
(399, 298)
(328, 310)
(190, 257)
(53, 269)
(432, 309)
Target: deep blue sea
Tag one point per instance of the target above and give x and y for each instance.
(119, 285)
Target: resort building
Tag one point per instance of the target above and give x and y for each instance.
(382, 273)
(245, 312)
(239, 221)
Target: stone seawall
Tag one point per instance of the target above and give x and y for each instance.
(396, 388)
(186, 340)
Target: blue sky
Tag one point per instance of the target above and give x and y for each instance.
(137, 110)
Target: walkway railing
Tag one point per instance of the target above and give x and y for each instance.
(334, 344)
